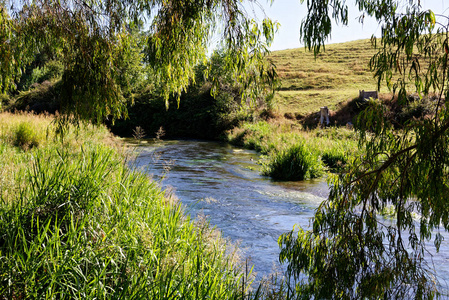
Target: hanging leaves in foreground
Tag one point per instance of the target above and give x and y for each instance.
(93, 40)
(353, 250)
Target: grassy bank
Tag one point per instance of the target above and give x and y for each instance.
(76, 222)
(334, 76)
(295, 146)
(293, 153)
(332, 79)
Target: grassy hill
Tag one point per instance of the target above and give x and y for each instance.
(334, 76)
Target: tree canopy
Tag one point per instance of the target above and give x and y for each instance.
(352, 251)
(93, 40)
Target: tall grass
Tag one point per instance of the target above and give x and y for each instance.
(293, 153)
(77, 223)
(294, 163)
(25, 136)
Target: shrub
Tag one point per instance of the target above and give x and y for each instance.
(4, 100)
(334, 159)
(43, 97)
(294, 163)
(25, 137)
(416, 108)
(50, 71)
(199, 115)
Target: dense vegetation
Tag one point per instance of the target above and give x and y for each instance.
(349, 252)
(293, 153)
(206, 109)
(77, 223)
(102, 49)
(91, 59)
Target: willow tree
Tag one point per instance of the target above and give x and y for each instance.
(92, 38)
(351, 251)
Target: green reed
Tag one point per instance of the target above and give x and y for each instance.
(294, 163)
(83, 225)
(296, 154)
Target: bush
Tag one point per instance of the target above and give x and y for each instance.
(25, 137)
(334, 159)
(4, 101)
(43, 97)
(416, 108)
(294, 163)
(49, 72)
(199, 115)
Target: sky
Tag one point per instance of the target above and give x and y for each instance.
(289, 13)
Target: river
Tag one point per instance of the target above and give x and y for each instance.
(224, 184)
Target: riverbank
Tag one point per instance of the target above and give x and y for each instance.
(293, 153)
(76, 222)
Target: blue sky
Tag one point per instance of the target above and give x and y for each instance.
(289, 14)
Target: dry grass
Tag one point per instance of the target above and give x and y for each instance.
(44, 127)
(16, 160)
(335, 76)
(10, 122)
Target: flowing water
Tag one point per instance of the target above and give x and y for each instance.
(224, 183)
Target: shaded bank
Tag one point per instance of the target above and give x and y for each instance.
(199, 115)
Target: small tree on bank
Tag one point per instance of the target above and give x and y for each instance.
(351, 252)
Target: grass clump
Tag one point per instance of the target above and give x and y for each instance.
(334, 160)
(77, 223)
(25, 137)
(294, 163)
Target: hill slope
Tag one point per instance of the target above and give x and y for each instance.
(336, 75)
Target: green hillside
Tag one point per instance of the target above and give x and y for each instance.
(334, 76)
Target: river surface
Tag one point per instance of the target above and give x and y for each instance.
(224, 184)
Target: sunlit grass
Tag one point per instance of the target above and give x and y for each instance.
(331, 79)
(277, 139)
(335, 75)
(296, 162)
(77, 223)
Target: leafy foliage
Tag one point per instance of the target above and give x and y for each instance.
(351, 251)
(51, 70)
(44, 97)
(102, 51)
(208, 107)
(9, 58)
(4, 100)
